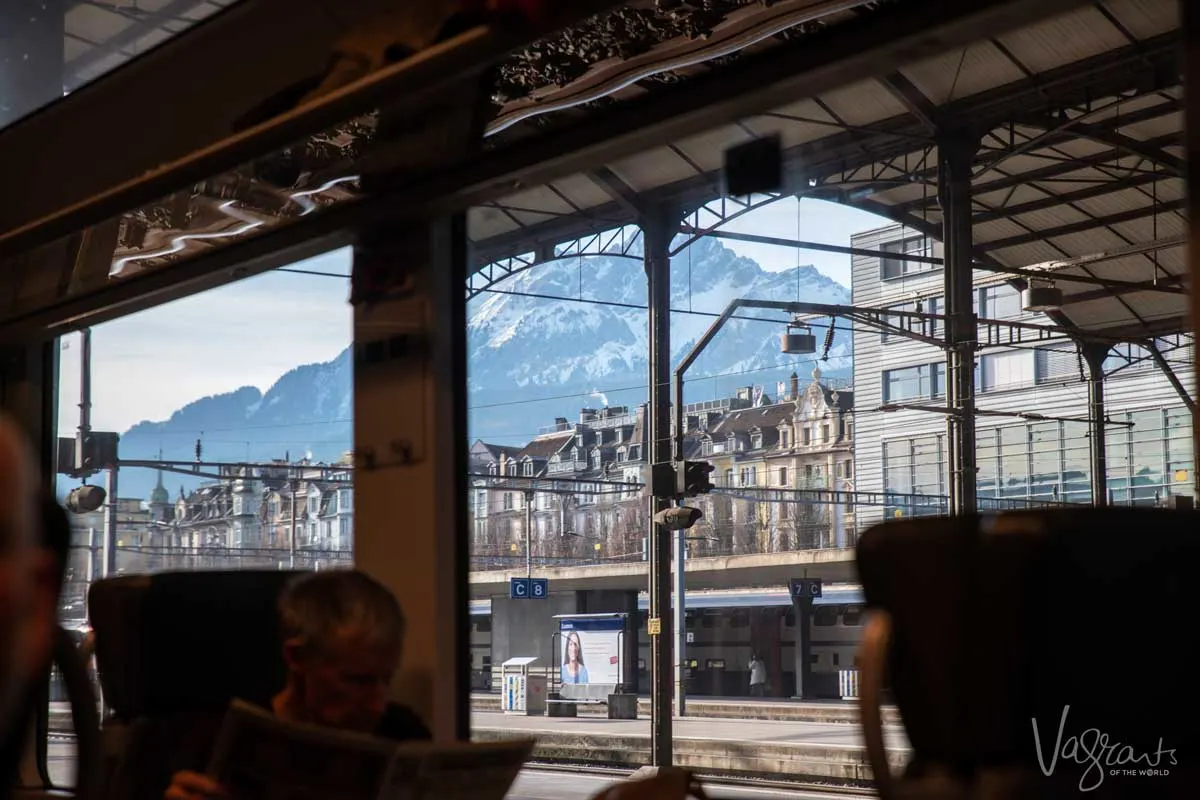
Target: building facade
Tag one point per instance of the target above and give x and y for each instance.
(905, 451)
(579, 488)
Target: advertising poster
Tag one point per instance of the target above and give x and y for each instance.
(590, 651)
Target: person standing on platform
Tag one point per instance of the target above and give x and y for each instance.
(758, 676)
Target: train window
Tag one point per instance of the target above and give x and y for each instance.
(689, 621)
(815, 658)
(789, 619)
(260, 463)
(825, 616)
(852, 615)
(835, 659)
(487, 662)
(708, 622)
(740, 619)
(483, 624)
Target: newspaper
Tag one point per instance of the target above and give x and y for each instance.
(260, 757)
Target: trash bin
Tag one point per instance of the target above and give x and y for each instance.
(522, 692)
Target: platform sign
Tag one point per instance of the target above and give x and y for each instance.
(805, 588)
(528, 588)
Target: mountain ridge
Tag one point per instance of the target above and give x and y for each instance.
(552, 340)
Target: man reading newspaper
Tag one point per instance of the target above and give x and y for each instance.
(343, 635)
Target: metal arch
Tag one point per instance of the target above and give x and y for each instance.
(596, 244)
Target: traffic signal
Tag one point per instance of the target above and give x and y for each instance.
(692, 478)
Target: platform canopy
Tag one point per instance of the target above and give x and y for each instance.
(1077, 107)
(1079, 175)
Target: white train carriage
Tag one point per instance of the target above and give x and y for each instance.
(724, 627)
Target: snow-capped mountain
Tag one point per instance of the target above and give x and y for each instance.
(531, 359)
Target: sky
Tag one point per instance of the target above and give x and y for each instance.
(148, 365)
(802, 220)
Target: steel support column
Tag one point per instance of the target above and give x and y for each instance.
(657, 228)
(410, 436)
(1095, 355)
(31, 56)
(1190, 13)
(956, 152)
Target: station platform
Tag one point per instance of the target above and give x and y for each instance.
(733, 708)
(817, 751)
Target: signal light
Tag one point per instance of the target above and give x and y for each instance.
(692, 478)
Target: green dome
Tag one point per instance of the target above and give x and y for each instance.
(159, 493)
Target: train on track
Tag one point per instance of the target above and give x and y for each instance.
(724, 627)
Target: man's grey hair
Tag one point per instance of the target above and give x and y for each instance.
(320, 608)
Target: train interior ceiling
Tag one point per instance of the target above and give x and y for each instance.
(1032, 151)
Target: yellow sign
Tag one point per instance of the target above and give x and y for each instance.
(654, 626)
(1181, 475)
(897, 513)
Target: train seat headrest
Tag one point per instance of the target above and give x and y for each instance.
(187, 642)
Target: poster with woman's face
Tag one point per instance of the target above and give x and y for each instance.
(591, 651)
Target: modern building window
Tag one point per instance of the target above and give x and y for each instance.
(892, 266)
(898, 321)
(1050, 461)
(934, 305)
(1045, 481)
(999, 302)
(897, 466)
(1006, 370)
(923, 382)
(1059, 364)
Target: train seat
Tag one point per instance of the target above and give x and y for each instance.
(172, 650)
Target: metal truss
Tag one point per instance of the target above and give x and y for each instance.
(769, 495)
(851, 166)
(715, 214)
(615, 243)
(542, 485)
(935, 503)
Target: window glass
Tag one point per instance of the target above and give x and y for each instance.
(230, 457)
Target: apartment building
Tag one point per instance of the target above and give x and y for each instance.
(1149, 445)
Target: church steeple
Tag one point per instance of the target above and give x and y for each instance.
(159, 495)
